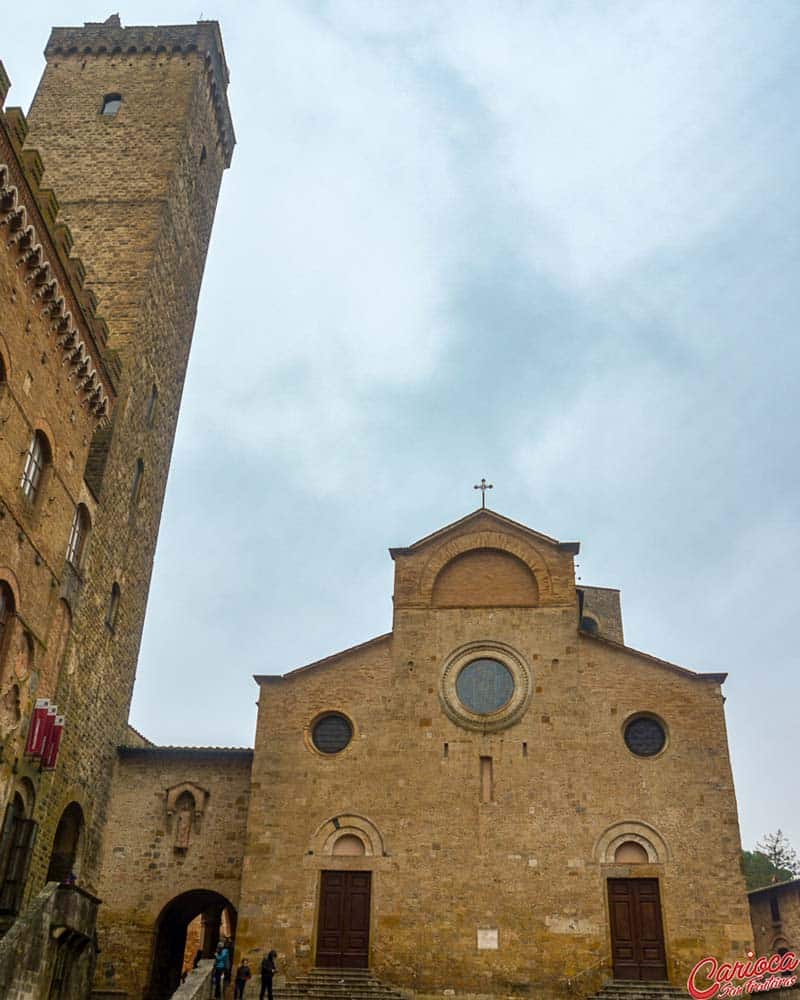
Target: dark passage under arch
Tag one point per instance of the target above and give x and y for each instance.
(169, 942)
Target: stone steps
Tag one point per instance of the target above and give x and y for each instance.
(336, 984)
(629, 989)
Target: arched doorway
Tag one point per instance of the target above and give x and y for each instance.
(217, 919)
(67, 845)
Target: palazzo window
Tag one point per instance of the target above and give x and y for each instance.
(16, 847)
(7, 610)
(78, 536)
(36, 460)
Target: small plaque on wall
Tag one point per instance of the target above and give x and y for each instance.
(487, 939)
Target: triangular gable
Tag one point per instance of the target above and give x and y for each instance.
(484, 515)
(716, 678)
(327, 661)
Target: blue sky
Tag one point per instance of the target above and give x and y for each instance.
(555, 244)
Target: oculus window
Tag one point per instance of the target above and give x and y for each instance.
(485, 686)
(645, 736)
(331, 733)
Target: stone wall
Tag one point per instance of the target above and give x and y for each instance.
(526, 864)
(138, 190)
(144, 866)
(46, 314)
(775, 914)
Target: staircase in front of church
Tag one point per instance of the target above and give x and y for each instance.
(630, 989)
(337, 984)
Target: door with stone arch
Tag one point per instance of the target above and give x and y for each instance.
(344, 910)
(637, 932)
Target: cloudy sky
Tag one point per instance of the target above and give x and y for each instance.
(551, 243)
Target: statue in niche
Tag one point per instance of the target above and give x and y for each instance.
(184, 818)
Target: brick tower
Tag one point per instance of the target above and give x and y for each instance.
(135, 132)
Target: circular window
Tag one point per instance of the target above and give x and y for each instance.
(485, 686)
(645, 736)
(332, 733)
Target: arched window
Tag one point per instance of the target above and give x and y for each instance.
(78, 536)
(37, 459)
(111, 104)
(16, 846)
(136, 488)
(113, 607)
(7, 609)
(67, 845)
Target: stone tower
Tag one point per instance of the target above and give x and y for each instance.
(135, 132)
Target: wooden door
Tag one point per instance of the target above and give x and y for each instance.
(637, 935)
(343, 933)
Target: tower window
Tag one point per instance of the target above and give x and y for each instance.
(81, 524)
(151, 406)
(36, 458)
(113, 607)
(111, 104)
(137, 483)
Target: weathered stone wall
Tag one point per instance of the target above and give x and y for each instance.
(39, 394)
(784, 932)
(532, 861)
(138, 190)
(142, 869)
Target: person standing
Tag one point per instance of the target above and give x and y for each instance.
(222, 964)
(267, 972)
(243, 974)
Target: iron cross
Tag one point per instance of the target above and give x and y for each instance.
(483, 486)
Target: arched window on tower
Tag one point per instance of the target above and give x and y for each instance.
(111, 104)
(113, 607)
(37, 458)
(78, 536)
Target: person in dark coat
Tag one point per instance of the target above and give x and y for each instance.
(243, 974)
(267, 972)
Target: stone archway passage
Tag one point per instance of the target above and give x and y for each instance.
(169, 942)
(343, 933)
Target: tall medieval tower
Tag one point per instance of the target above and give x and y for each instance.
(134, 129)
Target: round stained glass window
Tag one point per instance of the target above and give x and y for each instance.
(332, 733)
(485, 686)
(645, 736)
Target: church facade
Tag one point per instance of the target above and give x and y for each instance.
(496, 797)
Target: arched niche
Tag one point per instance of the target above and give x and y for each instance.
(347, 825)
(635, 833)
(66, 855)
(483, 541)
(485, 578)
